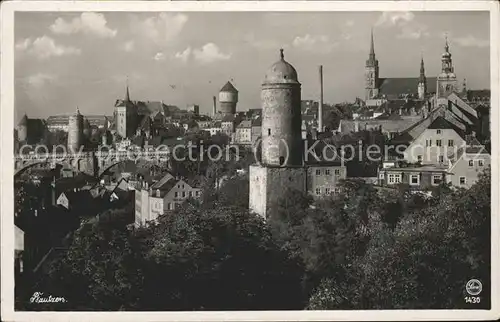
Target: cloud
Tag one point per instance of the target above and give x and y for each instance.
(319, 43)
(262, 43)
(24, 44)
(413, 32)
(39, 80)
(210, 53)
(393, 18)
(45, 47)
(159, 56)
(183, 56)
(471, 41)
(162, 28)
(89, 23)
(129, 46)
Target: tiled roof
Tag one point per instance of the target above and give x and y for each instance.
(228, 87)
(245, 124)
(228, 118)
(257, 122)
(398, 86)
(161, 184)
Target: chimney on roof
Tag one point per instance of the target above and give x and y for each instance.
(320, 107)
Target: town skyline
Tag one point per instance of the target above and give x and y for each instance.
(159, 53)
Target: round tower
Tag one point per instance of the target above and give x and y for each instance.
(281, 116)
(75, 132)
(228, 98)
(22, 129)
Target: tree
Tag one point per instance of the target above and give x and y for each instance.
(217, 259)
(425, 261)
(99, 271)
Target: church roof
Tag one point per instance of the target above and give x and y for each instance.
(399, 86)
(228, 87)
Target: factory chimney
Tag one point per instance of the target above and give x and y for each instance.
(215, 105)
(320, 106)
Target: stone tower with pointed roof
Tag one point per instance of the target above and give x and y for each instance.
(75, 132)
(228, 99)
(282, 163)
(371, 73)
(446, 80)
(125, 116)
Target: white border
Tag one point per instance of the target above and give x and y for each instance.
(7, 164)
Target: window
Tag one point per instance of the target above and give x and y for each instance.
(318, 191)
(419, 158)
(428, 142)
(436, 180)
(471, 163)
(327, 172)
(158, 192)
(438, 142)
(169, 206)
(441, 158)
(197, 193)
(414, 179)
(176, 194)
(438, 131)
(381, 175)
(318, 172)
(450, 143)
(394, 178)
(337, 172)
(462, 181)
(269, 132)
(336, 190)
(190, 194)
(327, 191)
(480, 163)
(183, 194)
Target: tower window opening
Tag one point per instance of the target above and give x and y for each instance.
(269, 132)
(282, 160)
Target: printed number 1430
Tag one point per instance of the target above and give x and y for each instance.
(472, 299)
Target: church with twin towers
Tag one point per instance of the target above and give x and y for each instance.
(417, 87)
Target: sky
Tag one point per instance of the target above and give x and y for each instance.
(69, 60)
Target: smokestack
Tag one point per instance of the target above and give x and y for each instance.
(320, 107)
(215, 105)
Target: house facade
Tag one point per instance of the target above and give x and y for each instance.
(164, 195)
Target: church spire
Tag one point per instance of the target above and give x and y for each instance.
(372, 46)
(446, 46)
(127, 95)
(372, 60)
(422, 70)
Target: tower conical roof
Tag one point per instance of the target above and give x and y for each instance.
(24, 120)
(228, 87)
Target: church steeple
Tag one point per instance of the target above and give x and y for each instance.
(422, 70)
(127, 95)
(371, 72)
(446, 61)
(372, 60)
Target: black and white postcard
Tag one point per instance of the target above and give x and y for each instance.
(206, 161)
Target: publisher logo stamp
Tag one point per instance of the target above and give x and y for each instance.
(474, 287)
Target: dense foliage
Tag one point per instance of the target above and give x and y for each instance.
(365, 248)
